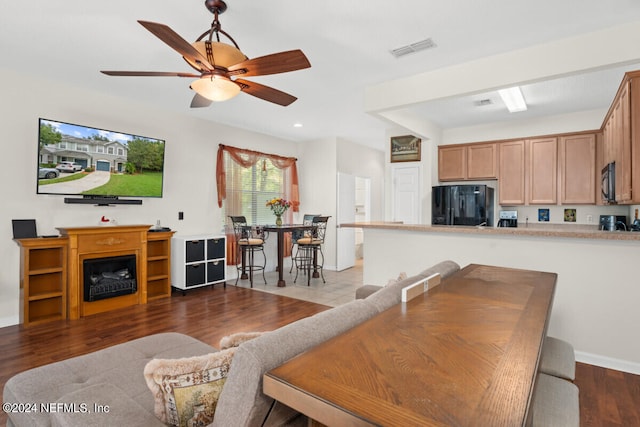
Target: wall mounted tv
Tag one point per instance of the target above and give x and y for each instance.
(99, 165)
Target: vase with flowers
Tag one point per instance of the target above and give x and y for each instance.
(278, 206)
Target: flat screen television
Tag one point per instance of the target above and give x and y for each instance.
(97, 164)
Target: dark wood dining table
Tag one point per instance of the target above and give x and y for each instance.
(280, 230)
(464, 353)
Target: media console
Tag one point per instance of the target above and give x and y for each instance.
(102, 200)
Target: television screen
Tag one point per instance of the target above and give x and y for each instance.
(75, 159)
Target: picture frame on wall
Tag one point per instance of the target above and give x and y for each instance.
(405, 148)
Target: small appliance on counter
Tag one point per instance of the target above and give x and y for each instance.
(613, 222)
(508, 219)
(635, 226)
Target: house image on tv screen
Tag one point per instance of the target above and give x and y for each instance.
(75, 159)
(109, 156)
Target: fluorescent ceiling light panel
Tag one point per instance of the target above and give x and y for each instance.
(513, 99)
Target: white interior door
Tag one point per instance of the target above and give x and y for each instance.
(346, 240)
(406, 194)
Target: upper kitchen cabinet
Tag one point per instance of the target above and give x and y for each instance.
(512, 173)
(622, 139)
(542, 165)
(468, 162)
(452, 163)
(577, 169)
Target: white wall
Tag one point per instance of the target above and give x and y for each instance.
(317, 171)
(189, 185)
(357, 160)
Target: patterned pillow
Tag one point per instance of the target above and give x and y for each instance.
(186, 390)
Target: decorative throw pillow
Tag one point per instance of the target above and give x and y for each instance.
(401, 276)
(238, 338)
(186, 390)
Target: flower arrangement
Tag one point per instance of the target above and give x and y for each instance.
(278, 205)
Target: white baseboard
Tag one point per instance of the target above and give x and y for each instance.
(9, 321)
(608, 362)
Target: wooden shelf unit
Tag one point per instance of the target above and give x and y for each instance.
(43, 279)
(159, 264)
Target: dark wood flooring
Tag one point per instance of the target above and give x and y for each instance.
(607, 397)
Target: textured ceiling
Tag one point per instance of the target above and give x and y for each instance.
(347, 43)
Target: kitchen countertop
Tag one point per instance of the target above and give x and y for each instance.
(532, 230)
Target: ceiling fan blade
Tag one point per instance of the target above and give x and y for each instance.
(199, 101)
(149, 74)
(275, 63)
(179, 44)
(265, 92)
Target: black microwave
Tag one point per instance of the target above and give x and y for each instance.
(609, 183)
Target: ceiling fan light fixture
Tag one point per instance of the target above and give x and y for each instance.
(216, 88)
(217, 53)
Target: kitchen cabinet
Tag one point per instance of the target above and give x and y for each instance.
(482, 161)
(577, 178)
(621, 139)
(43, 280)
(511, 180)
(542, 173)
(617, 134)
(452, 163)
(468, 162)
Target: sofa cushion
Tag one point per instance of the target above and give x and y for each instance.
(121, 365)
(242, 402)
(102, 405)
(186, 390)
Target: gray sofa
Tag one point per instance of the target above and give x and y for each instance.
(114, 376)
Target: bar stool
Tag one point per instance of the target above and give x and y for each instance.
(307, 219)
(306, 258)
(249, 241)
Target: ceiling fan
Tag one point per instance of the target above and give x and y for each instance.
(219, 65)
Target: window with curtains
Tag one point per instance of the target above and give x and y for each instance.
(249, 188)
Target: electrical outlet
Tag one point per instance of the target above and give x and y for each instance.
(589, 218)
(180, 216)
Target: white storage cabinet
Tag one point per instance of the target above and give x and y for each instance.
(198, 261)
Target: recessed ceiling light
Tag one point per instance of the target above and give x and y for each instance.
(297, 125)
(513, 99)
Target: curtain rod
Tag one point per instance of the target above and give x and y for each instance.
(256, 152)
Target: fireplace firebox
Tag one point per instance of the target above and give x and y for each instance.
(109, 277)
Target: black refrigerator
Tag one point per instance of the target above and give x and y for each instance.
(462, 205)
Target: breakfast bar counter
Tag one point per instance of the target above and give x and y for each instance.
(533, 230)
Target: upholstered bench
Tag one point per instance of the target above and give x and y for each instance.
(558, 359)
(555, 403)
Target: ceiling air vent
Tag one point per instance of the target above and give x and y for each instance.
(483, 102)
(413, 48)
